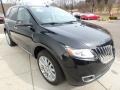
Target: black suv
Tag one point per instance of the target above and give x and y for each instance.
(64, 47)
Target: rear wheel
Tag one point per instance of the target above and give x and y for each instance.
(9, 40)
(49, 68)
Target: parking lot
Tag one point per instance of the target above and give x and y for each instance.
(19, 71)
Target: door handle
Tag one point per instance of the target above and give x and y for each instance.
(15, 27)
(32, 29)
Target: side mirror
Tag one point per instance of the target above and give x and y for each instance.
(29, 24)
(23, 23)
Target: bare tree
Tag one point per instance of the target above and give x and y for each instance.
(110, 5)
(118, 7)
(100, 5)
(91, 4)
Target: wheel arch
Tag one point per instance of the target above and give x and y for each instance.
(40, 48)
(37, 50)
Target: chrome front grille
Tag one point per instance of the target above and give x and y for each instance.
(105, 53)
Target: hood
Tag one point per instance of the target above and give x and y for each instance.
(79, 35)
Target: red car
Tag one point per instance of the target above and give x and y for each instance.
(89, 16)
(1, 18)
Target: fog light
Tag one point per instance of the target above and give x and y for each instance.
(88, 78)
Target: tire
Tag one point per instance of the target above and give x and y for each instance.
(53, 66)
(9, 40)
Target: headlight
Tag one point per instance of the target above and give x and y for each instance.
(80, 53)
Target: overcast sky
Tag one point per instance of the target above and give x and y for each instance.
(31, 2)
(34, 1)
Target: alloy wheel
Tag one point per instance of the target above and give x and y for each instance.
(47, 68)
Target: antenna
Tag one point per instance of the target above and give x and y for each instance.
(2, 7)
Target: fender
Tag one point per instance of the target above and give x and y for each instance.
(48, 43)
(56, 51)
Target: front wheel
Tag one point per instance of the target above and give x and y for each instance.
(49, 68)
(9, 40)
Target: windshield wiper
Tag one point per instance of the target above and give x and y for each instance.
(70, 22)
(51, 23)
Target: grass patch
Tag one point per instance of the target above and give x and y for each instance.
(104, 18)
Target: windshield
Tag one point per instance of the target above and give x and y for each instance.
(52, 15)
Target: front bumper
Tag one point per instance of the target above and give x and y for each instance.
(80, 72)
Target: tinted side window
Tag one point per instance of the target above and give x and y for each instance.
(24, 15)
(13, 14)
